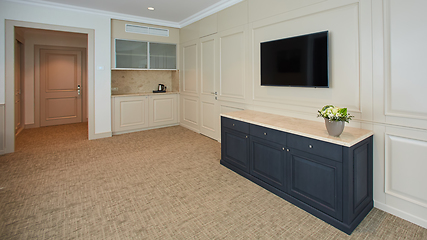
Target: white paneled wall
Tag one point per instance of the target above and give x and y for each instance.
(190, 112)
(377, 69)
(402, 159)
(232, 76)
(405, 50)
(189, 85)
(190, 68)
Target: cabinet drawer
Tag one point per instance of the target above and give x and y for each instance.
(268, 134)
(235, 125)
(316, 147)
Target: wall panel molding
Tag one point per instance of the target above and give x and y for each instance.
(404, 78)
(190, 112)
(405, 165)
(232, 64)
(190, 68)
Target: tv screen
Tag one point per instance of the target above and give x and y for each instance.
(300, 61)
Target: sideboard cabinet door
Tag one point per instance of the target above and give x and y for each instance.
(268, 162)
(235, 148)
(316, 181)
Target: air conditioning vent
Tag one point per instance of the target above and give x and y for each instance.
(147, 30)
(136, 29)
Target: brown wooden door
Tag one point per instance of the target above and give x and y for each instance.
(60, 87)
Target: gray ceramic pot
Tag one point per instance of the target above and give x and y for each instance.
(334, 128)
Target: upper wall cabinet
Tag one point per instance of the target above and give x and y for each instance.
(162, 56)
(131, 54)
(144, 55)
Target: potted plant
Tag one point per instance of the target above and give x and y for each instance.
(335, 119)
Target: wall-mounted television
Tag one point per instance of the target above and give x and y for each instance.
(301, 61)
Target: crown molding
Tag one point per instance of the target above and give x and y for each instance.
(208, 11)
(112, 15)
(194, 18)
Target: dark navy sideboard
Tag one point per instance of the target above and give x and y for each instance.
(328, 180)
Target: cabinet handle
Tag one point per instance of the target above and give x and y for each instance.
(310, 146)
(288, 150)
(246, 136)
(265, 134)
(233, 124)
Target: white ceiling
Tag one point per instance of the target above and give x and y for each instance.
(173, 13)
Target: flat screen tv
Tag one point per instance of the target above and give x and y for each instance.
(301, 61)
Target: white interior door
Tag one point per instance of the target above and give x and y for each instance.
(60, 87)
(209, 110)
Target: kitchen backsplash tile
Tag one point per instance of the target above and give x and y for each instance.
(140, 81)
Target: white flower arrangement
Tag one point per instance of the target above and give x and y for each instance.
(334, 113)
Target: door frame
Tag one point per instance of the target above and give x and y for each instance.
(21, 40)
(9, 127)
(37, 49)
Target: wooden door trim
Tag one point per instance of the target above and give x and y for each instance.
(37, 49)
(21, 43)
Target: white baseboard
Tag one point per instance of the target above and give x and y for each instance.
(190, 128)
(32, 125)
(399, 213)
(100, 135)
(144, 129)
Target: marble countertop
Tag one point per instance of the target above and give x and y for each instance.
(302, 127)
(141, 94)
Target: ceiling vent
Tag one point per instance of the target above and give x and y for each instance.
(147, 30)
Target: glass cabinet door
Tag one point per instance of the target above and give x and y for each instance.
(162, 56)
(131, 54)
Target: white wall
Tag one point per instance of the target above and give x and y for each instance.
(99, 47)
(377, 70)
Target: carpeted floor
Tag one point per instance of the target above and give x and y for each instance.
(157, 184)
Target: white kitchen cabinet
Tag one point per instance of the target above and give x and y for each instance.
(131, 54)
(163, 110)
(142, 112)
(130, 113)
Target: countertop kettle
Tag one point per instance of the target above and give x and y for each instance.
(162, 88)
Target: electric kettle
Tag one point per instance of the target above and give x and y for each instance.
(162, 88)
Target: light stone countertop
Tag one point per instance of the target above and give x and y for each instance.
(141, 94)
(302, 127)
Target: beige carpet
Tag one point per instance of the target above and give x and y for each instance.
(158, 184)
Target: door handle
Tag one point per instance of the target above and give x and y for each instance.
(78, 89)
